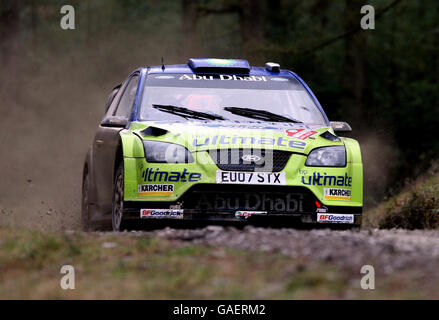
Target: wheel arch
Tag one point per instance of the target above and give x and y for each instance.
(129, 146)
(118, 158)
(353, 150)
(87, 169)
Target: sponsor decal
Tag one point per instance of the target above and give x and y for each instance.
(161, 213)
(318, 179)
(320, 208)
(335, 218)
(337, 194)
(251, 124)
(279, 79)
(155, 175)
(301, 134)
(155, 189)
(262, 202)
(224, 77)
(164, 77)
(265, 141)
(266, 178)
(238, 125)
(245, 214)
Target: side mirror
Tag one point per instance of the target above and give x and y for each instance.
(114, 121)
(339, 126)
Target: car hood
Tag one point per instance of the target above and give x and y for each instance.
(207, 135)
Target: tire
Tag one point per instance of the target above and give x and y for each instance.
(85, 209)
(117, 211)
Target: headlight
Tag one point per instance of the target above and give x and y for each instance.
(162, 152)
(327, 157)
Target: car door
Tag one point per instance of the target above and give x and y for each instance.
(106, 143)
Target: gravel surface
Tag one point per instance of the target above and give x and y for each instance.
(387, 250)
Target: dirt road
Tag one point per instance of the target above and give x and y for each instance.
(403, 260)
(388, 251)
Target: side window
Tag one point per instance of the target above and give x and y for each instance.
(116, 99)
(111, 97)
(126, 102)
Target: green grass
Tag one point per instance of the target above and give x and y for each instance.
(415, 208)
(109, 266)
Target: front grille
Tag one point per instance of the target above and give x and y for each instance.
(274, 199)
(232, 159)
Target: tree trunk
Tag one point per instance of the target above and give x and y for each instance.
(436, 42)
(319, 12)
(393, 63)
(191, 46)
(9, 32)
(34, 22)
(354, 60)
(252, 29)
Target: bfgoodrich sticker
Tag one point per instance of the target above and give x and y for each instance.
(337, 194)
(156, 189)
(161, 213)
(335, 218)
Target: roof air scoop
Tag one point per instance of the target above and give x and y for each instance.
(219, 65)
(272, 67)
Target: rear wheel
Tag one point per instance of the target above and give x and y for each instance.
(118, 203)
(85, 212)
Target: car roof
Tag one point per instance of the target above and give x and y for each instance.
(220, 66)
(184, 68)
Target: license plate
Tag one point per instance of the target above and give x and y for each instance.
(335, 218)
(265, 178)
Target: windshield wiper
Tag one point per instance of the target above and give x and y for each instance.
(260, 114)
(187, 113)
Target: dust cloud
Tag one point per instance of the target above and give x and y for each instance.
(380, 159)
(46, 125)
(49, 111)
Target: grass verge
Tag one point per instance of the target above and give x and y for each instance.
(144, 266)
(415, 208)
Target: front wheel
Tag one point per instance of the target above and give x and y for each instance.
(118, 193)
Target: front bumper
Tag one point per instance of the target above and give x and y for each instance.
(215, 202)
(195, 215)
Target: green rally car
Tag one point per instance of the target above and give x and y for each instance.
(217, 139)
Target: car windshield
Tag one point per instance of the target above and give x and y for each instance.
(227, 97)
